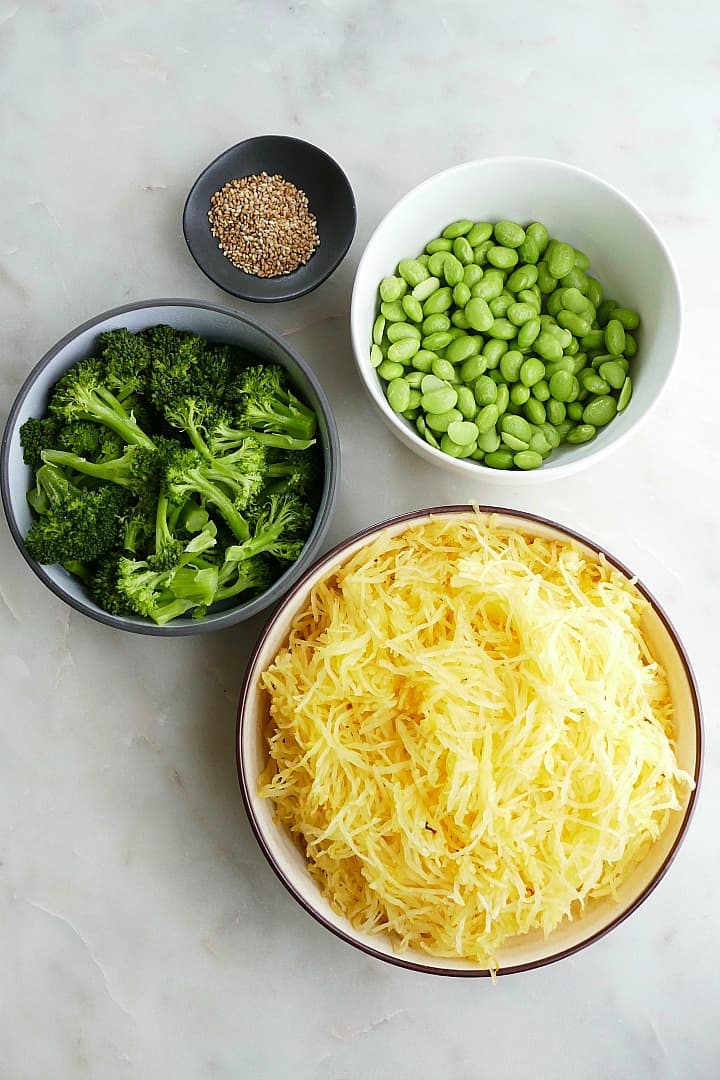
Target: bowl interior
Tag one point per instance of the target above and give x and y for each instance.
(626, 255)
(330, 198)
(207, 321)
(522, 952)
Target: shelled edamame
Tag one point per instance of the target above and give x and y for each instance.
(498, 346)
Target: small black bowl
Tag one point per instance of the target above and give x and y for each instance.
(330, 199)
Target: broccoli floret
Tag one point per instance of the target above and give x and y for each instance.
(77, 523)
(238, 577)
(127, 362)
(243, 473)
(168, 549)
(280, 525)
(82, 394)
(185, 477)
(299, 471)
(265, 403)
(174, 370)
(224, 439)
(163, 595)
(36, 436)
(195, 417)
(103, 585)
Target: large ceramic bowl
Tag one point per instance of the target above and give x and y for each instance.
(521, 953)
(626, 254)
(208, 321)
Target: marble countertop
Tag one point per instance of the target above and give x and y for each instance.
(141, 932)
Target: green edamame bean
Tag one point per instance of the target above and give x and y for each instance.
(630, 345)
(487, 418)
(529, 251)
(493, 350)
(466, 404)
(594, 383)
(472, 368)
(503, 329)
(582, 433)
(402, 351)
(426, 288)
(500, 304)
(463, 432)
(509, 234)
(563, 429)
(561, 258)
(378, 329)
(581, 260)
(449, 446)
(551, 435)
(452, 270)
(575, 279)
(439, 400)
(565, 363)
(490, 286)
(522, 278)
(594, 292)
(561, 385)
(500, 459)
(599, 411)
(531, 296)
(539, 444)
(573, 300)
(439, 340)
(625, 395)
(604, 312)
(457, 228)
(579, 358)
(519, 394)
(485, 390)
(413, 271)
(554, 303)
(546, 282)
(541, 390)
(464, 346)
(528, 332)
(459, 320)
(393, 311)
(630, 320)
(397, 392)
(503, 398)
(436, 263)
(510, 365)
(439, 422)
(471, 275)
(423, 360)
(539, 234)
(390, 369)
(435, 324)
(527, 459)
(612, 373)
(397, 331)
(391, 288)
(462, 250)
(481, 231)
(477, 312)
(411, 414)
(502, 257)
(429, 437)
(555, 410)
(512, 441)
(414, 379)
(615, 337)
(439, 244)
(376, 355)
(575, 410)
(488, 441)
(439, 302)
(531, 371)
(423, 259)
(480, 252)
(594, 339)
(431, 382)
(461, 294)
(456, 332)
(444, 370)
(519, 314)
(601, 357)
(547, 346)
(576, 324)
(516, 426)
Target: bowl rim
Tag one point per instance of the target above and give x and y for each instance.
(290, 293)
(406, 433)
(328, 558)
(233, 615)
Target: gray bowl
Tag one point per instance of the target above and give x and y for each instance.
(208, 321)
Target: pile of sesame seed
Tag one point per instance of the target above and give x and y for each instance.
(263, 225)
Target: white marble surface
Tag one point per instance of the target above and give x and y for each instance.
(141, 932)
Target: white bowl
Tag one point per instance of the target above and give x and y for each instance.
(626, 254)
(520, 953)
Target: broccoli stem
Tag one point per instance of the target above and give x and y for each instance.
(212, 494)
(104, 408)
(115, 470)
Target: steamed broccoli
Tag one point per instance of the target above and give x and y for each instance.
(185, 476)
(36, 436)
(265, 403)
(280, 523)
(127, 362)
(299, 471)
(137, 467)
(76, 523)
(81, 394)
